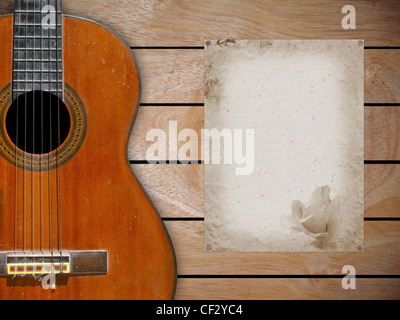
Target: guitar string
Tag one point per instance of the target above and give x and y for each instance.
(51, 147)
(25, 125)
(58, 29)
(41, 137)
(15, 96)
(33, 136)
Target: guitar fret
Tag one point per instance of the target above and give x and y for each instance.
(28, 11)
(23, 90)
(38, 37)
(28, 86)
(37, 75)
(36, 81)
(52, 88)
(39, 87)
(30, 24)
(36, 60)
(19, 82)
(37, 49)
(26, 71)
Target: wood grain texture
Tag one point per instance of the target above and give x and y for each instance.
(171, 76)
(149, 118)
(286, 289)
(381, 255)
(176, 75)
(177, 23)
(382, 190)
(382, 76)
(382, 133)
(177, 189)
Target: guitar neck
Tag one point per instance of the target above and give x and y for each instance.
(37, 59)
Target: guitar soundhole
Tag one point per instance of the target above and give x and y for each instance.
(38, 122)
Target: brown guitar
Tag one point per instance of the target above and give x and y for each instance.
(74, 222)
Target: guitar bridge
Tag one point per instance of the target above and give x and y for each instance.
(41, 263)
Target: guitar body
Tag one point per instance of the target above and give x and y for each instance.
(103, 205)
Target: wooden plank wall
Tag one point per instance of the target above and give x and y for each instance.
(167, 37)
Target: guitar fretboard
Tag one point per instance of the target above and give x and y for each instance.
(37, 60)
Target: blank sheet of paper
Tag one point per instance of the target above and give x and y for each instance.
(300, 186)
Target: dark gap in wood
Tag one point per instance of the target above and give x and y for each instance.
(285, 276)
(202, 219)
(202, 162)
(380, 47)
(183, 219)
(165, 162)
(202, 47)
(381, 219)
(168, 48)
(172, 104)
(381, 104)
(381, 161)
(201, 104)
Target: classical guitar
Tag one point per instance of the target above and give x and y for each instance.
(74, 221)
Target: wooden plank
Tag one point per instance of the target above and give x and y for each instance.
(382, 131)
(176, 76)
(177, 23)
(149, 118)
(171, 76)
(381, 255)
(282, 289)
(177, 189)
(382, 190)
(382, 76)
